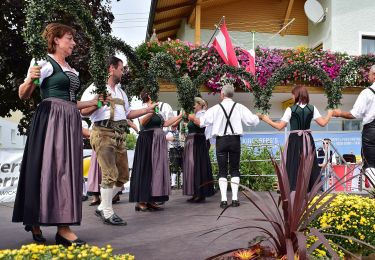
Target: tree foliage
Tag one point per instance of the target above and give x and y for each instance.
(14, 59)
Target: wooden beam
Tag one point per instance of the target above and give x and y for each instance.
(166, 86)
(191, 18)
(287, 15)
(169, 19)
(197, 34)
(175, 6)
(167, 29)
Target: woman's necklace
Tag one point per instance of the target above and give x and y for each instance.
(62, 63)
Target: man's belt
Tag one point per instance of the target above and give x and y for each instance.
(120, 126)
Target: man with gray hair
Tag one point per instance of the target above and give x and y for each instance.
(364, 107)
(225, 120)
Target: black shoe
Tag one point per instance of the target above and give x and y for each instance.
(235, 203)
(85, 197)
(93, 203)
(223, 204)
(143, 209)
(99, 213)
(37, 237)
(154, 207)
(160, 202)
(60, 240)
(114, 220)
(116, 198)
(199, 199)
(192, 199)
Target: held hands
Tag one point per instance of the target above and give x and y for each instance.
(151, 107)
(191, 117)
(336, 112)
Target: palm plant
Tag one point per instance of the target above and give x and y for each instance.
(290, 217)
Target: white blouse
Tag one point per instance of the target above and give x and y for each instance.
(46, 69)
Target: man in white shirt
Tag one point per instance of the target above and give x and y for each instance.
(364, 107)
(225, 120)
(108, 136)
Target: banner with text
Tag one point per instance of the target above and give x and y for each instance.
(10, 162)
(344, 142)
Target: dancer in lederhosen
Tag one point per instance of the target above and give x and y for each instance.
(300, 140)
(364, 107)
(198, 181)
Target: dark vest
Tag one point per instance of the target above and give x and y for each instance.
(60, 84)
(193, 128)
(301, 117)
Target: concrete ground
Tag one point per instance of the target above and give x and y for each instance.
(178, 232)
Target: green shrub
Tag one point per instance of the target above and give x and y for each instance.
(131, 140)
(250, 167)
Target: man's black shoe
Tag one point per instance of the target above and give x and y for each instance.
(235, 203)
(114, 220)
(223, 204)
(99, 213)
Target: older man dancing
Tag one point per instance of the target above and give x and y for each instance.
(226, 121)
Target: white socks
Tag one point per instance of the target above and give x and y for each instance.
(106, 203)
(223, 184)
(370, 173)
(173, 179)
(234, 186)
(116, 190)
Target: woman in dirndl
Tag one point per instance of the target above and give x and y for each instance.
(150, 179)
(300, 141)
(198, 180)
(50, 185)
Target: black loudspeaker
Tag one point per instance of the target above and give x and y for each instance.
(350, 158)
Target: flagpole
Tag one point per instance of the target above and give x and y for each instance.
(217, 28)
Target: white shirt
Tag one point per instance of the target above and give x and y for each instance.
(46, 69)
(167, 112)
(215, 118)
(364, 106)
(288, 113)
(103, 113)
(208, 130)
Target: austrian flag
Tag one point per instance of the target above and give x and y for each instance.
(224, 47)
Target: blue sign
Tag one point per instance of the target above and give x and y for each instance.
(344, 142)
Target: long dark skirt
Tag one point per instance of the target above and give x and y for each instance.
(368, 145)
(50, 184)
(150, 179)
(295, 150)
(197, 167)
(94, 177)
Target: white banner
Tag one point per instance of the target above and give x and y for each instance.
(10, 163)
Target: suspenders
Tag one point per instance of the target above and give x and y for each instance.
(373, 91)
(228, 118)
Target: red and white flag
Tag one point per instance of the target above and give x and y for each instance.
(224, 47)
(251, 66)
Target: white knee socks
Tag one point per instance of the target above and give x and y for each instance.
(234, 186)
(223, 184)
(116, 190)
(106, 203)
(173, 179)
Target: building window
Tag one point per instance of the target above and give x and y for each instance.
(13, 136)
(368, 44)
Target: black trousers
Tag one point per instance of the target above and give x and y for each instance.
(368, 145)
(228, 147)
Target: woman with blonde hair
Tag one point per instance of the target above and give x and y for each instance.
(198, 180)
